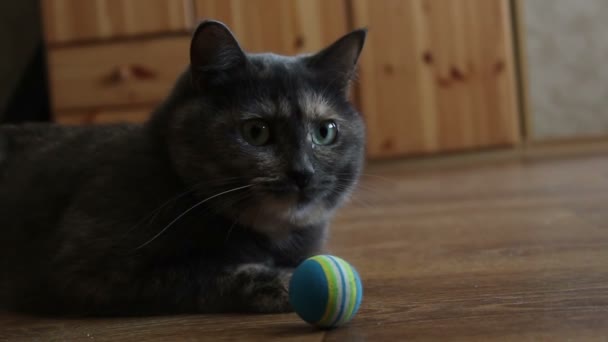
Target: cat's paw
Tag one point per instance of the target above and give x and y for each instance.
(264, 289)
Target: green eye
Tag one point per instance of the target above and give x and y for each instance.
(256, 132)
(325, 133)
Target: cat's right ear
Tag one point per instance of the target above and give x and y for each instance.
(214, 51)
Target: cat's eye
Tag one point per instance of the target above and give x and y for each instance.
(325, 133)
(256, 132)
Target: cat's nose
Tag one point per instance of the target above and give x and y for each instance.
(301, 177)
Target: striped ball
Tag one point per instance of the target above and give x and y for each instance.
(325, 291)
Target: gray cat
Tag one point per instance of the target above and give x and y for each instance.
(206, 207)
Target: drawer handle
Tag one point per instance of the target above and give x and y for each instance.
(124, 73)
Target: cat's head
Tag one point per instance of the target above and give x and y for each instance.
(281, 126)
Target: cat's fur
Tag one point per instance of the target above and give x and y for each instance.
(81, 207)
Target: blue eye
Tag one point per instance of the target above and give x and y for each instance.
(256, 132)
(325, 133)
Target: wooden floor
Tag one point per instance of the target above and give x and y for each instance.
(510, 250)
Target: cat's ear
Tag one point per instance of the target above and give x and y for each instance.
(339, 60)
(214, 50)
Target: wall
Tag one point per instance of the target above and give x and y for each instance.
(567, 52)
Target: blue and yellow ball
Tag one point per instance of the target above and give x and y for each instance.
(325, 291)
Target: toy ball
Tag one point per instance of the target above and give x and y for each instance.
(325, 291)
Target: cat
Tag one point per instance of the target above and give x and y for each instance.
(206, 207)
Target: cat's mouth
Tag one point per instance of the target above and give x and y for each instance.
(290, 192)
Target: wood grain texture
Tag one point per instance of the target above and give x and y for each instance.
(437, 75)
(511, 250)
(284, 27)
(103, 116)
(76, 20)
(122, 73)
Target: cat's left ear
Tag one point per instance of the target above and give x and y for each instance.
(214, 52)
(339, 60)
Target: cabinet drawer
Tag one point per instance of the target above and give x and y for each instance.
(124, 73)
(67, 21)
(104, 116)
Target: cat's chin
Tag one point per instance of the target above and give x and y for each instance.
(277, 215)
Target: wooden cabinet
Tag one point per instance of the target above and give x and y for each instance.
(114, 60)
(280, 26)
(437, 75)
(76, 20)
(116, 74)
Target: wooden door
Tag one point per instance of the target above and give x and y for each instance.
(437, 75)
(279, 26)
(78, 20)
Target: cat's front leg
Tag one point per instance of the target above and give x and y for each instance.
(255, 287)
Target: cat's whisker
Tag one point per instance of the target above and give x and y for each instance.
(364, 188)
(381, 178)
(358, 202)
(230, 229)
(358, 188)
(224, 203)
(231, 201)
(370, 190)
(151, 216)
(189, 210)
(262, 180)
(222, 180)
(373, 176)
(352, 197)
(371, 196)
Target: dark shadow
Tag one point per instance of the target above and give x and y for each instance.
(30, 99)
(294, 329)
